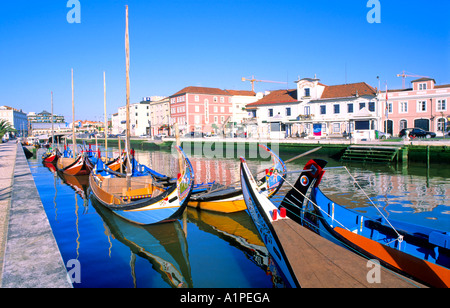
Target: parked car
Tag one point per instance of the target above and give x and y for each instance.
(417, 133)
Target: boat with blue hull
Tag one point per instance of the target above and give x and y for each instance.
(416, 251)
(141, 199)
(305, 258)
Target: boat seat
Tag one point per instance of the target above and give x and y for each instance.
(118, 186)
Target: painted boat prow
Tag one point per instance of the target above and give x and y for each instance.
(261, 211)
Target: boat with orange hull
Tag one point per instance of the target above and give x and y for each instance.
(418, 252)
(80, 165)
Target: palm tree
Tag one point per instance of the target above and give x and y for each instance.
(5, 127)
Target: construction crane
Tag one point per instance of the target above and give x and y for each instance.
(253, 80)
(406, 74)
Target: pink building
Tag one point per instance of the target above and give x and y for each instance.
(425, 106)
(201, 109)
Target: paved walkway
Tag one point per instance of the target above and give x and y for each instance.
(29, 253)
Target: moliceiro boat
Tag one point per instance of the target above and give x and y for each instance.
(306, 259)
(415, 251)
(228, 198)
(141, 199)
(51, 156)
(80, 165)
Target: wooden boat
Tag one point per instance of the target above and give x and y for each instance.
(228, 199)
(112, 163)
(305, 258)
(51, 156)
(80, 165)
(419, 252)
(140, 199)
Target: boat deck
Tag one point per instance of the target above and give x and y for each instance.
(319, 263)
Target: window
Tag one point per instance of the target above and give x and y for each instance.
(441, 124)
(350, 108)
(362, 105)
(422, 86)
(307, 92)
(222, 109)
(216, 109)
(421, 106)
(403, 124)
(336, 128)
(307, 110)
(288, 111)
(270, 112)
(389, 107)
(197, 99)
(215, 99)
(215, 119)
(441, 105)
(197, 108)
(197, 119)
(403, 107)
(336, 108)
(323, 109)
(372, 106)
(222, 99)
(222, 119)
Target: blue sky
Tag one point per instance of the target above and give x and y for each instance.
(212, 43)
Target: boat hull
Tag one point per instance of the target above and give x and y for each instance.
(414, 255)
(259, 209)
(138, 199)
(74, 166)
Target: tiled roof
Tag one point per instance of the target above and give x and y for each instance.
(277, 97)
(241, 92)
(347, 90)
(201, 90)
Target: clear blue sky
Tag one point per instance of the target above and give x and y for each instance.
(213, 43)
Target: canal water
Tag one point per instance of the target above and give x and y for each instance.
(208, 250)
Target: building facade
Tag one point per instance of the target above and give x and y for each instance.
(16, 118)
(317, 110)
(160, 117)
(424, 105)
(201, 110)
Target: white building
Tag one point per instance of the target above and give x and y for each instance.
(316, 110)
(140, 118)
(16, 118)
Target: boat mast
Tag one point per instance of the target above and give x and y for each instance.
(106, 118)
(73, 122)
(127, 60)
(53, 132)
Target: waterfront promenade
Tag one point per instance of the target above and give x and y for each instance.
(29, 254)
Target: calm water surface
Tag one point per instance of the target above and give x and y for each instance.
(205, 249)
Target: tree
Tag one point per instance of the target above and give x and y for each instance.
(5, 127)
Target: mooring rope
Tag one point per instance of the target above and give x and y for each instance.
(399, 236)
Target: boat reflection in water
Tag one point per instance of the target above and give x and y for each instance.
(239, 231)
(163, 245)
